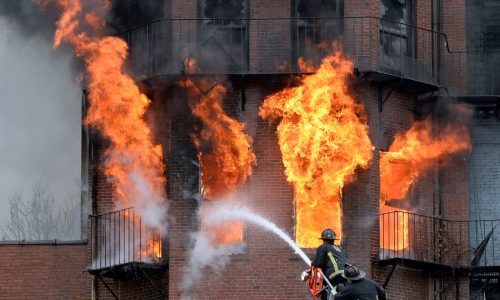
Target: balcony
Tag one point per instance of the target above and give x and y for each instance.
(431, 243)
(386, 52)
(122, 244)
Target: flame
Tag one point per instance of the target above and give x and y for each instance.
(394, 228)
(415, 152)
(305, 65)
(412, 154)
(231, 232)
(117, 106)
(323, 137)
(225, 150)
(152, 250)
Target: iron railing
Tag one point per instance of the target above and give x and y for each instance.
(268, 46)
(436, 240)
(120, 237)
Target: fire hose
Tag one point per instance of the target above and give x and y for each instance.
(315, 279)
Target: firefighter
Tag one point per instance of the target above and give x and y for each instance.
(330, 258)
(358, 287)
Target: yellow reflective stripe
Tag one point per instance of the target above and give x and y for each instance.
(335, 274)
(334, 262)
(335, 266)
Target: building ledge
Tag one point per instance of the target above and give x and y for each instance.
(398, 82)
(416, 264)
(129, 268)
(43, 242)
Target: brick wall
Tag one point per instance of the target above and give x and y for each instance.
(44, 271)
(453, 20)
(484, 180)
(268, 269)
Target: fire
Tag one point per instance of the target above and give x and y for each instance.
(117, 107)
(412, 154)
(152, 250)
(224, 150)
(305, 66)
(416, 152)
(323, 137)
(395, 223)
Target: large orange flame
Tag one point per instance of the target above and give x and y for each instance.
(411, 155)
(225, 150)
(226, 156)
(117, 108)
(323, 137)
(415, 152)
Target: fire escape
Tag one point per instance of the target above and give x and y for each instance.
(438, 245)
(123, 246)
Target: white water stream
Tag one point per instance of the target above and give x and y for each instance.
(224, 214)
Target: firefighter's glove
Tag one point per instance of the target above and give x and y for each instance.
(339, 287)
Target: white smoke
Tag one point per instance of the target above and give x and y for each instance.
(40, 118)
(206, 253)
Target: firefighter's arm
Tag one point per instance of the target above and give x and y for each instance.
(344, 294)
(318, 261)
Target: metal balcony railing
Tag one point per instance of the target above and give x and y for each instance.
(439, 241)
(120, 237)
(269, 46)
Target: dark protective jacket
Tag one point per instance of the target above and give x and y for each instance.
(363, 289)
(331, 259)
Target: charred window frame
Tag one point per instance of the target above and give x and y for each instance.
(316, 24)
(223, 33)
(397, 38)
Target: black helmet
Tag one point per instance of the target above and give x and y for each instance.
(328, 234)
(352, 273)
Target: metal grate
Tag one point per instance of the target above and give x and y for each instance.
(440, 241)
(121, 237)
(269, 46)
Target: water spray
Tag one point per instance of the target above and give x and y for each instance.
(224, 214)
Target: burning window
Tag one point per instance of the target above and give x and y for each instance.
(225, 153)
(317, 25)
(229, 233)
(323, 138)
(396, 38)
(312, 220)
(222, 38)
(412, 154)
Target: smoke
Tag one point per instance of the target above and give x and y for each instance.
(40, 109)
(127, 14)
(206, 253)
(27, 18)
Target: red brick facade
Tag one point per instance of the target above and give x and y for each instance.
(269, 269)
(33, 271)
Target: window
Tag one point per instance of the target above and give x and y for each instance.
(317, 25)
(222, 36)
(396, 37)
(229, 233)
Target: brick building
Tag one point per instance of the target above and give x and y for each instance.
(411, 57)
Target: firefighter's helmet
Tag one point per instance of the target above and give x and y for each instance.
(352, 273)
(328, 234)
